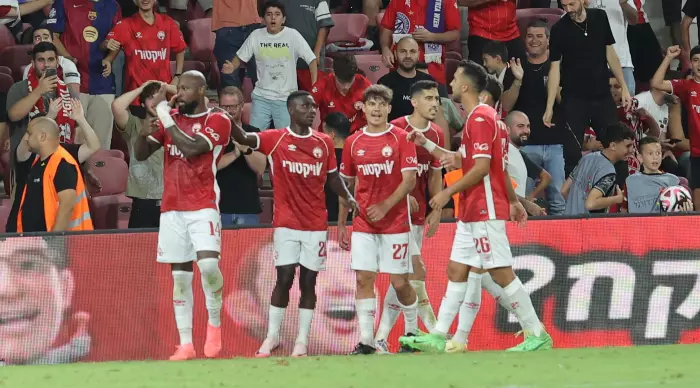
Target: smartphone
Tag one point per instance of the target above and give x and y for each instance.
(50, 72)
(674, 141)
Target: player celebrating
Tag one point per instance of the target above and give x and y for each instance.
(385, 164)
(190, 224)
(425, 100)
(485, 197)
(302, 160)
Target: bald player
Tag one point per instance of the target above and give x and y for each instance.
(194, 138)
(54, 194)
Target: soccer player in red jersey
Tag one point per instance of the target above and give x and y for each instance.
(194, 138)
(425, 99)
(301, 161)
(341, 91)
(487, 200)
(147, 38)
(381, 163)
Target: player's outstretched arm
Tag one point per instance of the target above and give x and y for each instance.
(189, 146)
(242, 137)
(145, 144)
(419, 139)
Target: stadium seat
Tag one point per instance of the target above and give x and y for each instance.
(450, 68)
(112, 172)
(247, 89)
(110, 211)
(348, 28)
(453, 55)
(6, 82)
(372, 66)
(202, 40)
(327, 64)
(6, 70)
(454, 46)
(116, 154)
(267, 210)
(525, 16)
(190, 65)
(16, 57)
(6, 38)
(195, 11)
(245, 115)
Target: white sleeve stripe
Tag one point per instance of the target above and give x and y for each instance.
(346, 176)
(409, 168)
(481, 156)
(258, 139)
(333, 170)
(153, 138)
(211, 146)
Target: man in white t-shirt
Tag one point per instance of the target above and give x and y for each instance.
(654, 105)
(276, 49)
(620, 14)
(71, 75)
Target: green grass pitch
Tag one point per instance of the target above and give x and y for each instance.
(646, 366)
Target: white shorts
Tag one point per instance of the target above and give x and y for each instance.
(183, 234)
(416, 243)
(383, 253)
(300, 247)
(482, 245)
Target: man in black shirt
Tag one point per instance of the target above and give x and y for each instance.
(337, 126)
(581, 51)
(239, 169)
(405, 75)
(545, 144)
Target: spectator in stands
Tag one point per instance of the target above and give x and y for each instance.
(448, 118)
(691, 10)
(71, 76)
(520, 167)
(13, 13)
(495, 60)
(643, 189)
(145, 183)
(620, 14)
(644, 47)
(178, 11)
(54, 198)
(312, 19)
(239, 169)
(337, 126)
(148, 39)
(545, 145)
(342, 91)
(402, 79)
(276, 50)
(23, 159)
(432, 23)
(80, 30)
(591, 187)
(232, 22)
(31, 97)
(491, 20)
(581, 49)
(9, 11)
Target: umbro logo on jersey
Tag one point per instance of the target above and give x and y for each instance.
(479, 119)
(292, 147)
(360, 152)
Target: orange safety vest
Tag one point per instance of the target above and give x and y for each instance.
(80, 217)
(450, 179)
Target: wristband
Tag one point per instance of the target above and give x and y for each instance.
(430, 146)
(163, 111)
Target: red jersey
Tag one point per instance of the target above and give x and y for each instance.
(189, 184)
(405, 16)
(426, 161)
(483, 138)
(494, 21)
(299, 166)
(147, 48)
(330, 100)
(687, 90)
(378, 160)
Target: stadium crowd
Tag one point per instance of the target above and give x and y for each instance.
(95, 66)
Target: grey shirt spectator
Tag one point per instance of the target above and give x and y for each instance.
(643, 191)
(145, 178)
(310, 18)
(594, 172)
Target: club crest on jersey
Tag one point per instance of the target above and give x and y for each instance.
(52, 13)
(196, 127)
(402, 24)
(331, 104)
(387, 151)
(92, 15)
(317, 152)
(138, 35)
(358, 105)
(161, 35)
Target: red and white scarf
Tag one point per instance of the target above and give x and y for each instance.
(66, 125)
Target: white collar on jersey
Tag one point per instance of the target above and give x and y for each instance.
(417, 129)
(389, 127)
(470, 113)
(206, 112)
(311, 132)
